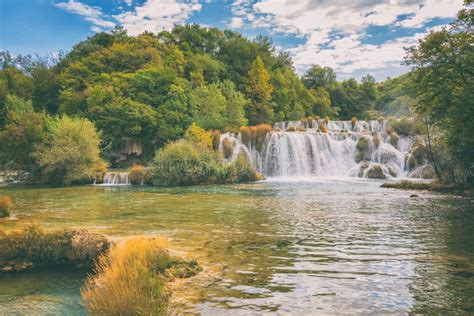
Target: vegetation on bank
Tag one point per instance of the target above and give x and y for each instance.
(133, 95)
(33, 247)
(132, 279)
(435, 186)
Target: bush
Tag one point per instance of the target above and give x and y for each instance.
(70, 153)
(132, 279)
(5, 205)
(406, 126)
(37, 247)
(136, 174)
(227, 148)
(363, 149)
(394, 139)
(322, 127)
(354, 121)
(199, 135)
(255, 134)
(185, 163)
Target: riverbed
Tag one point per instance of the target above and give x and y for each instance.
(291, 246)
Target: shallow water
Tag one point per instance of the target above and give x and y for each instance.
(319, 245)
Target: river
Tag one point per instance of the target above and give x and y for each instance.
(305, 246)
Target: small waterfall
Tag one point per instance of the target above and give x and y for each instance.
(116, 178)
(334, 148)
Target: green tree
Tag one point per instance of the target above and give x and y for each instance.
(24, 129)
(443, 63)
(234, 115)
(209, 106)
(317, 76)
(259, 91)
(70, 153)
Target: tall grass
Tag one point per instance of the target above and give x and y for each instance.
(129, 280)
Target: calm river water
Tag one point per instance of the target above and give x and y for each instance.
(299, 247)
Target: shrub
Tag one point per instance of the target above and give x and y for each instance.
(255, 134)
(131, 279)
(394, 139)
(363, 149)
(199, 136)
(37, 247)
(406, 126)
(136, 174)
(291, 129)
(354, 121)
(216, 139)
(380, 119)
(185, 163)
(227, 148)
(323, 128)
(5, 205)
(242, 171)
(70, 154)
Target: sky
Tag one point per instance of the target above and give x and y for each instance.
(354, 37)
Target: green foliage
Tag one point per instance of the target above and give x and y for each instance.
(406, 126)
(444, 81)
(259, 91)
(187, 163)
(136, 174)
(319, 77)
(209, 106)
(199, 136)
(23, 130)
(70, 153)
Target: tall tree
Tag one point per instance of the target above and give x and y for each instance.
(259, 91)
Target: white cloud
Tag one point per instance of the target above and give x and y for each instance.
(319, 21)
(236, 22)
(431, 10)
(152, 15)
(91, 14)
(157, 15)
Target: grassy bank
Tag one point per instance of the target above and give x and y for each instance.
(434, 186)
(33, 247)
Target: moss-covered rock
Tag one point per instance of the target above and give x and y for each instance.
(363, 149)
(394, 139)
(376, 172)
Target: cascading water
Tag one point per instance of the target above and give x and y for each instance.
(116, 178)
(334, 148)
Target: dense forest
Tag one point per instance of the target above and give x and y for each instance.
(115, 94)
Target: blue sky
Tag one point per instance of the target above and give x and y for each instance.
(355, 37)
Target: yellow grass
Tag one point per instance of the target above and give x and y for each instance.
(130, 280)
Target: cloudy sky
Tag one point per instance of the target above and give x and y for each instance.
(354, 37)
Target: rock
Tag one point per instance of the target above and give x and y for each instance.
(423, 172)
(363, 149)
(376, 172)
(414, 195)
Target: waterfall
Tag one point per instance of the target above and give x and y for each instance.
(334, 148)
(116, 178)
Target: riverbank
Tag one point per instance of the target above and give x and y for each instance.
(433, 186)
